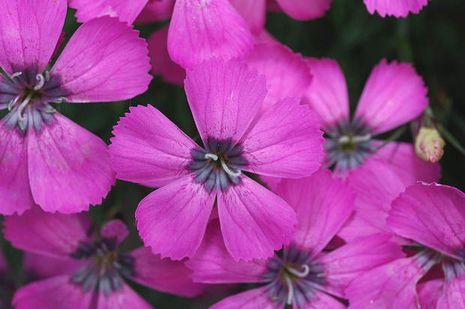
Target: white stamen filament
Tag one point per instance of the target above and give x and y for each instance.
(211, 156)
(16, 74)
(41, 82)
(356, 139)
(225, 167)
(23, 106)
(13, 103)
(290, 290)
(301, 274)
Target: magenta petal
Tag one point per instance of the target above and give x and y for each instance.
(253, 12)
(86, 68)
(395, 8)
(156, 10)
(351, 260)
(148, 148)
(403, 160)
(327, 94)
(429, 293)
(69, 167)
(161, 62)
(52, 293)
(254, 221)
(163, 274)
(213, 264)
(322, 203)
(125, 10)
(392, 285)
(15, 193)
(394, 95)
(224, 97)
(453, 294)
(286, 72)
(30, 31)
(42, 266)
(201, 30)
(286, 141)
(304, 9)
(252, 299)
(432, 215)
(173, 219)
(45, 233)
(124, 298)
(115, 229)
(322, 300)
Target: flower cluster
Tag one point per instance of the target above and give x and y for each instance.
(284, 197)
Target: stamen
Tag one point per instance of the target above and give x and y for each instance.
(363, 138)
(13, 103)
(41, 82)
(20, 111)
(211, 156)
(300, 274)
(343, 139)
(228, 171)
(290, 290)
(16, 74)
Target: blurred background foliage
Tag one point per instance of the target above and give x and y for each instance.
(434, 41)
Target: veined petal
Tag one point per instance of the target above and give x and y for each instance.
(123, 298)
(124, 10)
(252, 299)
(253, 12)
(147, 148)
(395, 8)
(205, 29)
(453, 294)
(254, 221)
(173, 219)
(30, 31)
(156, 10)
(69, 167)
(304, 9)
(86, 68)
(429, 293)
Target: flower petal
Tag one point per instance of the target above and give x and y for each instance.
(395, 8)
(403, 160)
(115, 229)
(253, 12)
(43, 266)
(205, 29)
(161, 62)
(389, 286)
(52, 293)
(15, 192)
(254, 221)
(30, 31)
(353, 259)
(453, 294)
(54, 235)
(286, 72)
(213, 264)
(322, 203)
(224, 97)
(125, 10)
(69, 167)
(429, 293)
(86, 68)
(122, 299)
(432, 215)
(173, 219)
(147, 148)
(163, 274)
(327, 94)
(394, 95)
(252, 299)
(284, 142)
(304, 9)
(156, 10)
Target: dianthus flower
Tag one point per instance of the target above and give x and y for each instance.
(45, 158)
(99, 278)
(432, 217)
(304, 274)
(399, 8)
(226, 99)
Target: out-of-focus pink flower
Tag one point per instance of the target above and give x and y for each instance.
(226, 99)
(103, 269)
(432, 217)
(45, 158)
(400, 8)
(127, 11)
(302, 275)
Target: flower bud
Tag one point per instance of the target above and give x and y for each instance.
(429, 144)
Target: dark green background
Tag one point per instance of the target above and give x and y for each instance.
(434, 41)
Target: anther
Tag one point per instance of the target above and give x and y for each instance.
(41, 82)
(211, 156)
(301, 274)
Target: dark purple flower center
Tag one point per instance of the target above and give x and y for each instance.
(219, 165)
(106, 267)
(294, 278)
(27, 95)
(348, 145)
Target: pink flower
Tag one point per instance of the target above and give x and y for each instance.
(400, 8)
(432, 217)
(45, 158)
(226, 100)
(302, 275)
(100, 277)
